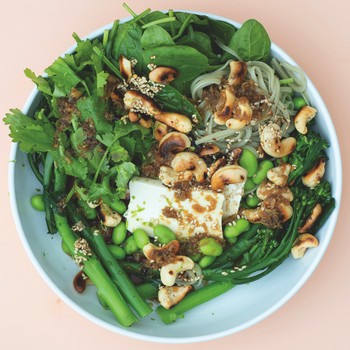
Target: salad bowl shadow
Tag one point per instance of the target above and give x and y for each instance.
(236, 310)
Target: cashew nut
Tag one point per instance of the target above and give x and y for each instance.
(224, 107)
(172, 295)
(163, 75)
(305, 114)
(155, 253)
(190, 161)
(176, 121)
(270, 140)
(108, 217)
(313, 177)
(229, 174)
(267, 189)
(316, 212)
(145, 121)
(238, 72)
(169, 272)
(138, 102)
(279, 174)
(208, 149)
(215, 166)
(133, 117)
(174, 142)
(125, 68)
(160, 130)
(169, 176)
(305, 240)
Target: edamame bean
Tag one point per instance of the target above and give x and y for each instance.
(249, 162)
(119, 233)
(263, 167)
(115, 203)
(89, 213)
(37, 202)
(117, 252)
(231, 240)
(249, 184)
(209, 246)
(164, 234)
(252, 200)
(141, 238)
(299, 102)
(206, 261)
(130, 246)
(235, 230)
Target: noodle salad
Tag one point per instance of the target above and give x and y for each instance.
(177, 159)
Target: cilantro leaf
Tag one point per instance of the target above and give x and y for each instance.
(63, 76)
(94, 107)
(33, 135)
(125, 171)
(41, 82)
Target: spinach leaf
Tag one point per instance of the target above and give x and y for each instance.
(187, 61)
(155, 36)
(221, 30)
(199, 41)
(170, 99)
(251, 41)
(127, 42)
(155, 15)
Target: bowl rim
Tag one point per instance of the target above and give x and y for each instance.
(336, 189)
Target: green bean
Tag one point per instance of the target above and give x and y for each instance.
(119, 233)
(206, 261)
(299, 102)
(130, 246)
(252, 200)
(235, 230)
(117, 252)
(249, 162)
(37, 202)
(164, 234)
(249, 184)
(141, 238)
(261, 173)
(209, 246)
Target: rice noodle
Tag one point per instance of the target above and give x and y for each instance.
(267, 80)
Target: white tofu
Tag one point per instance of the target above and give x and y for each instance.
(150, 200)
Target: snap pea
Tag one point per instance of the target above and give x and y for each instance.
(209, 246)
(141, 238)
(117, 252)
(206, 261)
(252, 200)
(130, 246)
(164, 234)
(263, 167)
(119, 233)
(249, 162)
(37, 202)
(235, 230)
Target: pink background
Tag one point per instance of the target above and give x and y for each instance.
(315, 33)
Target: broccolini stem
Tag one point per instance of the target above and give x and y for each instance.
(92, 266)
(118, 275)
(192, 300)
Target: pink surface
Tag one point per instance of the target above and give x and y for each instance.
(314, 33)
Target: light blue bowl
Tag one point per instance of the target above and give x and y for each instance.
(238, 309)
